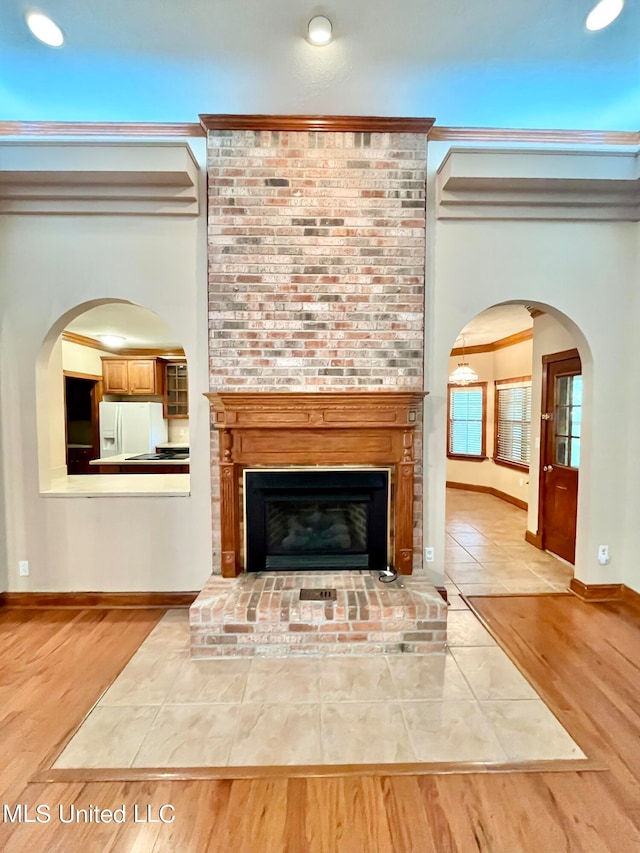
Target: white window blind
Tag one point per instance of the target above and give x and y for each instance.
(513, 422)
(466, 427)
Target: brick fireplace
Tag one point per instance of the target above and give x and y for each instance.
(316, 264)
(316, 250)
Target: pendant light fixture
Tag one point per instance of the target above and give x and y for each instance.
(463, 374)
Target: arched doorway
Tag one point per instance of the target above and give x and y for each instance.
(514, 436)
(112, 386)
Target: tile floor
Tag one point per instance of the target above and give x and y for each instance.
(485, 551)
(469, 704)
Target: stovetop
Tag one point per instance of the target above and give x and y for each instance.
(158, 457)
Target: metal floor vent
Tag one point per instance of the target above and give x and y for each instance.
(317, 595)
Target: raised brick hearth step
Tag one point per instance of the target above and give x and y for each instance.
(261, 614)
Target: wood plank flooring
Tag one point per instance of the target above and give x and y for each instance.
(584, 657)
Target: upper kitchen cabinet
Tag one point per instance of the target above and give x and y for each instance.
(176, 390)
(141, 376)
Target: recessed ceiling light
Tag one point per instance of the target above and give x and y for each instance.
(111, 340)
(44, 29)
(603, 14)
(319, 30)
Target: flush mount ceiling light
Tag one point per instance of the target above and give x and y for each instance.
(44, 29)
(320, 30)
(111, 340)
(603, 14)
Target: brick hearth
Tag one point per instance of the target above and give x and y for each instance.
(261, 614)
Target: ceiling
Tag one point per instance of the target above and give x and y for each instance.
(498, 63)
(141, 328)
(494, 324)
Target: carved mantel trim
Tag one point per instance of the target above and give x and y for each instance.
(301, 428)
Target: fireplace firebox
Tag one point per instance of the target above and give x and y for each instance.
(316, 519)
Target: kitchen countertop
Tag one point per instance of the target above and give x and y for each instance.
(121, 459)
(119, 485)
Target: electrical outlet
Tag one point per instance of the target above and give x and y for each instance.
(603, 555)
(23, 568)
(429, 555)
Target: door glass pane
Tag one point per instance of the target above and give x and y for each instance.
(575, 452)
(563, 385)
(562, 450)
(576, 421)
(576, 391)
(562, 420)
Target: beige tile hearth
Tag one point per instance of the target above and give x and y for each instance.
(364, 733)
(451, 731)
(188, 736)
(277, 734)
(109, 737)
(468, 703)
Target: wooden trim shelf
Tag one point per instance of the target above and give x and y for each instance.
(300, 429)
(365, 124)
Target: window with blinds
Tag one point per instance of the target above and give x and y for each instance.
(467, 420)
(513, 422)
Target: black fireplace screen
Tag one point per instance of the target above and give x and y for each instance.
(316, 519)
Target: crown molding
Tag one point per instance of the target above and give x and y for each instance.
(502, 343)
(357, 124)
(437, 133)
(125, 352)
(528, 184)
(148, 130)
(555, 137)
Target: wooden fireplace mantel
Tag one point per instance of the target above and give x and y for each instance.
(283, 429)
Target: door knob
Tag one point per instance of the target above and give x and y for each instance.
(548, 468)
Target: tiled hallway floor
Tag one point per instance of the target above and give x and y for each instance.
(485, 551)
(468, 705)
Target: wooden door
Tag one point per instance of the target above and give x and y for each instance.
(142, 376)
(115, 375)
(560, 452)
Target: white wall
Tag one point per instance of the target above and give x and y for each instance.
(50, 265)
(586, 271)
(505, 363)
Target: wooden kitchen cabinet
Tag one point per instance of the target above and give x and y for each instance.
(176, 395)
(133, 376)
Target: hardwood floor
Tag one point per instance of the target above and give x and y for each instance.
(585, 657)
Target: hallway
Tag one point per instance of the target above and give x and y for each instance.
(486, 553)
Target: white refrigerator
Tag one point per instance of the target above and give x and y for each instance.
(131, 428)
